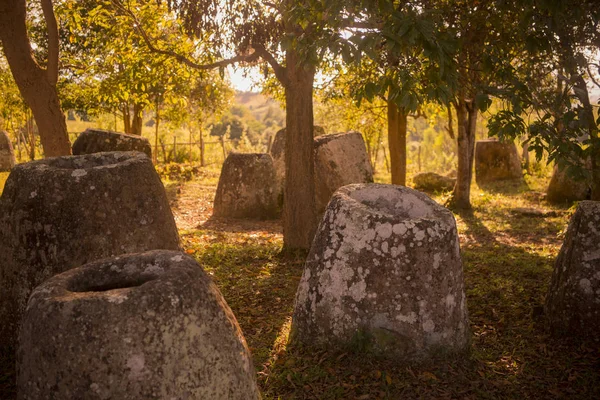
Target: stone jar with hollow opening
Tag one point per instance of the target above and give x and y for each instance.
(141, 326)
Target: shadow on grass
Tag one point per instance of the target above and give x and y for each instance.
(258, 283)
(234, 225)
(511, 187)
(512, 354)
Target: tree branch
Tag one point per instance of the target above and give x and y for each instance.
(450, 127)
(180, 57)
(52, 27)
(590, 73)
(279, 70)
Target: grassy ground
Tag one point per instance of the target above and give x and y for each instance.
(508, 252)
(509, 242)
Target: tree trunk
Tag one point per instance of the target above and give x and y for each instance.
(299, 209)
(397, 126)
(35, 83)
(582, 94)
(525, 156)
(138, 119)
(466, 115)
(157, 118)
(31, 138)
(126, 119)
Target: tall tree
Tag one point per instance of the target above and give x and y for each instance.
(286, 37)
(109, 68)
(405, 60)
(478, 28)
(557, 62)
(36, 84)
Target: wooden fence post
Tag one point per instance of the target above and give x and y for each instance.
(174, 148)
(223, 146)
(202, 163)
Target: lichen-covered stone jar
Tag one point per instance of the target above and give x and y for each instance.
(60, 213)
(142, 326)
(573, 300)
(384, 272)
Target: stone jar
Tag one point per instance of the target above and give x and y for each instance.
(247, 187)
(277, 151)
(60, 213)
(7, 153)
(564, 188)
(384, 273)
(340, 159)
(99, 140)
(495, 161)
(573, 300)
(432, 182)
(142, 326)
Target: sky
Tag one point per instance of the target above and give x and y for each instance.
(243, 83)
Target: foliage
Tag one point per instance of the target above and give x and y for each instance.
(178, 171)
(547, 98)
(109, 68)
(13, 110)
(408, 58)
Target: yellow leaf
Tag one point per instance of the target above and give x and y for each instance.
(388, 379)
(429, 376)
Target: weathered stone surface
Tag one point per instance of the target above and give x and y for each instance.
(98, 140)
(278, 151)
(495, 161)
(60, 213)
(384, 269)
(566, 189)
(432, 182)
(247, 187)
(141, 326)
(7, 154)
(340, 159)
(573, 299)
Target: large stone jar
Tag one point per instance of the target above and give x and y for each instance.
(7, 154)
(384, 272)
(278, 151)
(573, 299)
(340, 159)
(564, 188)
(142, 326)
(60, 213)
(100, 140)
(247, 187)
(495, 161)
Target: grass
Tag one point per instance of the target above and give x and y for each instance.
(508, 258)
